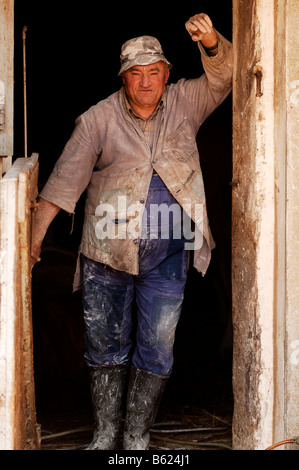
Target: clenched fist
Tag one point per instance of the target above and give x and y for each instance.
(200, 28)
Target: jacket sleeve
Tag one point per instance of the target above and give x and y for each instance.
(73, 170)
(204, 94)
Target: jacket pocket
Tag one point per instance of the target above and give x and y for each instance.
(112, 216)
(96, 233)
(182, 143)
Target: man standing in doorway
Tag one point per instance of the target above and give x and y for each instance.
(136, 154)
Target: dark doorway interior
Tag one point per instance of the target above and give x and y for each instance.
(72, 63)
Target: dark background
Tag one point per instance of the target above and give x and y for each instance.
(72, 54)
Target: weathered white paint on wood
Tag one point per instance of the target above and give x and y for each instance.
(18, 191)
(8, 297)
(265, 224)
(292, 225)
(6, 76)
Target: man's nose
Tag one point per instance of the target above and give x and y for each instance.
(145, 81)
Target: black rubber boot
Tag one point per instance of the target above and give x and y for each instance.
(107, 386)
(144, 396)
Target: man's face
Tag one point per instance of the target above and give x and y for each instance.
(145, 85)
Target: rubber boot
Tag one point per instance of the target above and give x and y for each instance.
(144, 396)
(107, 386)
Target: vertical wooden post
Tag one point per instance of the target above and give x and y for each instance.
(265, 224)
(6, 77)
(292, 225)
(8, 309)
(18, 191)
(27, 193)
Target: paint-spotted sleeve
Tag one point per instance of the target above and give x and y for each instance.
(73, 170)
(206, 93)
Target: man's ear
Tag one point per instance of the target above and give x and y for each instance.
(167, 76)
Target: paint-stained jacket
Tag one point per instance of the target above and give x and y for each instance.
(108, 155)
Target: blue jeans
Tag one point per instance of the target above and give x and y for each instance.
(108, 297)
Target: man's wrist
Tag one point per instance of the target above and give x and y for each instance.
(211, 50)
(210, 42)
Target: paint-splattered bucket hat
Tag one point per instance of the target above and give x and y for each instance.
(144, 50)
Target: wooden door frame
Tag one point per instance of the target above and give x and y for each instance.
(264, 223)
